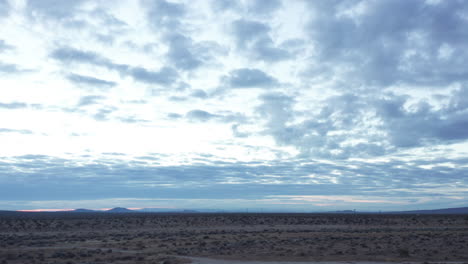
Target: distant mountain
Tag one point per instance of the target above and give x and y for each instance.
(175, 210)
(119, 210)
(343, 212)
(459, 210)
(81, 210)
(164, 210)
(156, 210)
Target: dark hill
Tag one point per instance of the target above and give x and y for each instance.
(119, 210)
(81, 210)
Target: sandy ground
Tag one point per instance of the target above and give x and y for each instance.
(196, 260)
(232, 238)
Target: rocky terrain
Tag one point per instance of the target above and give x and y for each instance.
(166, 238)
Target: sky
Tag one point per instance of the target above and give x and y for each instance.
(279, 105)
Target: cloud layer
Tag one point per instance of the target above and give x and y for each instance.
(235, 103)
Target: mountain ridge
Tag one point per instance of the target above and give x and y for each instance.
(454, 210)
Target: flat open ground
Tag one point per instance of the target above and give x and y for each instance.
(230, 238)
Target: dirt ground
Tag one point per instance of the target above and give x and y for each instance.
(174, 238)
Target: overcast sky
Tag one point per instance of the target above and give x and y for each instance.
(280, 105)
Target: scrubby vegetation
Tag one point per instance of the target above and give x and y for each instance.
(161, 238)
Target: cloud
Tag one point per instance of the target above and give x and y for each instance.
(4, 46)
(246, 31)
(199, 115)
(54, 9)
(389, 42)
(89, 82)
(103, 113)
(164, 14)
(357, 125)
(8, 68)
(237, 133)
(13, 105)
(107, 20)
(4, 8)
(90, 100)
(204, 116)
(249, 78)
(260, 7)
(186, 54)
(193, 94)
(180, 52)
(253, 36)
(421, 124)
(165, 75)
(197, 93)
(174, 116)
(132, 120)
(71, 55)
(19, 131)
(371, 89)
(51, 178)
(224, 5)
(264, 49)
(329, 133)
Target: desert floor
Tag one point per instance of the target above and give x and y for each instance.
(231, 238)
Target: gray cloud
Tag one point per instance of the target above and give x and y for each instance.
(111, 23)
(103, 113)
(164, 14)
(174, 116)
(261, 7)
(13, 105)
(246, 31)
(4, 8)
(4, 46)
(194, 94)
(254, 7)
(203, 116)
(393, 41)
(132, 120)
(422, 124)
(98, 111)
(90, 100)
(224, 5)
(178, 98)
(199, 115)
(325, 134)
(165, 76)
(71, 55)
(89, 82)
(237, 133)
(55, 9)
(54, 178)
(8, 68)
(264, 49)
(186, 54)
(378, 124)
(197, 93)
(180, 52)
(253, 36)
(249, 78)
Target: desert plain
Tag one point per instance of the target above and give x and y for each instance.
(73, 238)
